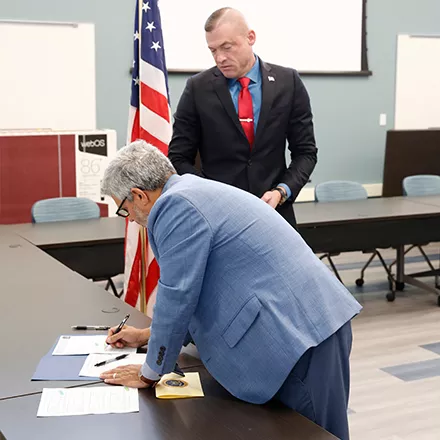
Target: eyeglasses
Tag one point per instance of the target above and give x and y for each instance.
(122, 212)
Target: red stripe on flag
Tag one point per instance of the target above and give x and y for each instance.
(136, 127)
(134, 285)
(148, 137)
(152, 279)
(138, 132)
(155, 101)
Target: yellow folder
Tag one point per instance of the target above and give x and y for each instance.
(173, 386)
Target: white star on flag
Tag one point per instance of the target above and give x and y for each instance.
(150, 26)
(155, 46)
(136, 81)
(146, 6)
(136, 36)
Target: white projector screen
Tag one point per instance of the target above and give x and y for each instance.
(308, 35)
(47, 75)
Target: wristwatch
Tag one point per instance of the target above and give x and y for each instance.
(283, 193)
(150, 382)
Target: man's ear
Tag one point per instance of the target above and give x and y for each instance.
(251, 37)
(139, 196)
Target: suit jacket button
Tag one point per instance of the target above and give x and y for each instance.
(162, 348)
(159, 362)
(249, 163)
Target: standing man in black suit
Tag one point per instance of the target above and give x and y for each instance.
(239, 115)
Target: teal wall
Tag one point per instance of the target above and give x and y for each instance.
(351, 142)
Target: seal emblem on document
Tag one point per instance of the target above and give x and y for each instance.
(175, 383)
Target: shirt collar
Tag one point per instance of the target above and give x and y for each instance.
(253, 74)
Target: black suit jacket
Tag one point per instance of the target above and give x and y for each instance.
(206, 122)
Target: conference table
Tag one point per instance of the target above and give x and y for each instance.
(367, 224)
(83, 248)
(433, 201)
(217, 416)
(41, 299)
(376, 223)
(95, 247)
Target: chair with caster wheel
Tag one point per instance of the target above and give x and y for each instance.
(418, 186)
(345, 190)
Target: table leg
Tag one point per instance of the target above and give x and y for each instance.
(400, 265)
(401, 278)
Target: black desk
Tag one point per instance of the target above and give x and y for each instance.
(31, 282)
(435, 202)
(217, 416)
(93, 248)
(389, 222)
(81, 245)
(41, 299)
(427, 200)
(369, 224)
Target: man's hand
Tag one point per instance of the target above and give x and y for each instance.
(128, 337)
(128, 376)
(272, 198)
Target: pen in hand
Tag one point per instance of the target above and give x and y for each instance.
(119, 327)
(117, 358)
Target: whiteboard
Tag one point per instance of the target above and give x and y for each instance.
(417, 82)
(308, 35)
(47, 76)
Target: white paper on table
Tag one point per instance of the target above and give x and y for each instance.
(72, 345)
(87, 400)
(89, 369)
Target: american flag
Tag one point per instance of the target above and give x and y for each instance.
(150, 120)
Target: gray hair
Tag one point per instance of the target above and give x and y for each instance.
(138, 165)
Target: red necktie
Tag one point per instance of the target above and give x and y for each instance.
(245, 110)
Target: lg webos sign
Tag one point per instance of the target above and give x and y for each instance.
(93, 144)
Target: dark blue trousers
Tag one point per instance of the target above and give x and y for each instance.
(318, 386)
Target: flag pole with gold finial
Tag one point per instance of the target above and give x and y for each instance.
(142, 231)
(143, 302)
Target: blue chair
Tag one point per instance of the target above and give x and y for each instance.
(418, 186)
(346, 190)
(69, 209)
(421, 185)
(64, 209)
(339, 190)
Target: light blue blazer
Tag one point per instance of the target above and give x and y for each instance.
(239, 280)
